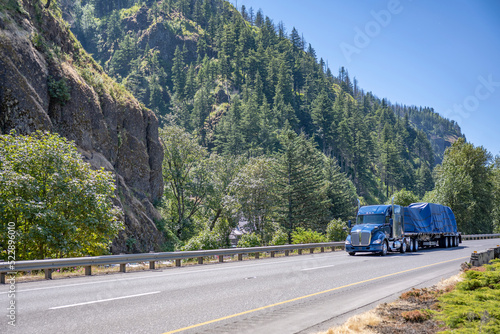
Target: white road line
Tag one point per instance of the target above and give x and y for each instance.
(104, 300)
(318, 267)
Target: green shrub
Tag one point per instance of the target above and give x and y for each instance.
(250, 240)
(303, 236)
(172, 242)
(205, 240)
(473, 307)
(279, 238)
(59, 90)
(336, 230)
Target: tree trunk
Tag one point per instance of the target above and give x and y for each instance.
(217, 215)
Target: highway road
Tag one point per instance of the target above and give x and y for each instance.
(296, 294)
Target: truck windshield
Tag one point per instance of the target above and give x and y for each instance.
(370, 219)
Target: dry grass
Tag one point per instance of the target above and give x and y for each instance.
(411, 313)
(360, 324)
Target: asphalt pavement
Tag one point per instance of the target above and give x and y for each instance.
(295, 294)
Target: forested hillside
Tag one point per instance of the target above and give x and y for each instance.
(234, 79)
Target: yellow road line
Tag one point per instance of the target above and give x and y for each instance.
(307, 296)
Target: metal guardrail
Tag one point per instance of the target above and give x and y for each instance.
(48, 265)
(480, 236)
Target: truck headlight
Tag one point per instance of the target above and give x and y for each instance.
(348, 242)
(377, 241)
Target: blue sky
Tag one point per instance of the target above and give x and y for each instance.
(442, 54)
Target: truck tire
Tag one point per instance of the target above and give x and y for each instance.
(412, 245)
(402, 250)
(415, 245)
(442, 242)
(384, 249)
(352, 253)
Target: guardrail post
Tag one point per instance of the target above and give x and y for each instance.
(287, 253)
(48, 273)
(151, 265)
(257, 255)
(177, 262)
(123, 267)
(299, 251)
(322, 249)
(311, 250)
(2, 278)
(88, 270)
(200, 260)
(272, 254)
(240, 257)
(221, 258)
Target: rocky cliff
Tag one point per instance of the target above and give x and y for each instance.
(48, 82)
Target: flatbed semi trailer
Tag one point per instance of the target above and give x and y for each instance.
(385, 228)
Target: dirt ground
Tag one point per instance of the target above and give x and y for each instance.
(409, 314)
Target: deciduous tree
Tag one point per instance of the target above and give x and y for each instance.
(59, 205)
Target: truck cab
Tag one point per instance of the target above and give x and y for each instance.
(378, 229)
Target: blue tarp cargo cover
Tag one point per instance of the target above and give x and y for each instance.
(429, 218)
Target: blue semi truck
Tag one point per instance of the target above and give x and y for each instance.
(385, 228)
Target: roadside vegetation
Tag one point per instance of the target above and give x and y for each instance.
(58, 205)
(466, 303)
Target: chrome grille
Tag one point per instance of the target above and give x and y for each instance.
(360, 238)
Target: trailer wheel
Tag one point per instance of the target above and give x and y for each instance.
(442, 242)
(446, 242)
(384, 249)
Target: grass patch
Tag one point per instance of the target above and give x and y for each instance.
(474, 306)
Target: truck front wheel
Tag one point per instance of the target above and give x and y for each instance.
(352, 253)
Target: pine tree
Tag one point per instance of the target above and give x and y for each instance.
(178, 74)
(295, 39)
(301, 187)
(259, 19)
(322, 117)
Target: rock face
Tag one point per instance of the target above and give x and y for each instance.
(111, 129)
(159, 37)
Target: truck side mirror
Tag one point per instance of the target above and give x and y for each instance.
(349, 223)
